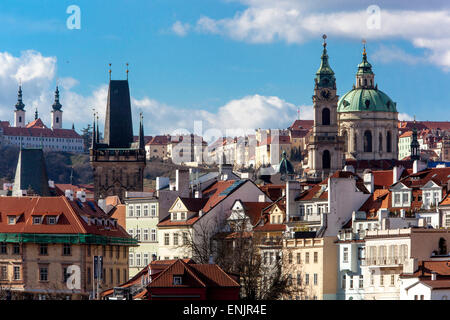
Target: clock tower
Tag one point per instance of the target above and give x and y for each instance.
(325, 148)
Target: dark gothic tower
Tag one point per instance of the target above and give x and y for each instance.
(118, 162)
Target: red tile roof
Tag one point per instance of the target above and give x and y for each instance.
(69, 222)
(193, 276)
(254, 210)
(36, 124)
(212, 196)
(302, 124)
(38, 132)
(159, 140)
(378, 200)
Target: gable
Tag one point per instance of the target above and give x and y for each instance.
(178, 206)
(399, 186)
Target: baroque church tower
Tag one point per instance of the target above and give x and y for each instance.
(56, 112)
(19, 113)
(325, 148)
(118, 162)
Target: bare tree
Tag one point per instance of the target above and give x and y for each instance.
(236, 249)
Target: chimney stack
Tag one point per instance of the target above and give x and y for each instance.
(69, 194)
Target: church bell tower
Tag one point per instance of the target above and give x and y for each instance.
(325, 148)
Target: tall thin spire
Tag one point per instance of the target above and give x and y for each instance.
(20, 105)
(94, 135)
(415, 145)
(98, 132)
(57, 105)
(36, 115)
(141, 132)
(325, 75)
(127, 70)
(110, 72)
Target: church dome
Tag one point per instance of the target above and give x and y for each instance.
(370, 99)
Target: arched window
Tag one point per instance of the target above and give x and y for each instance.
(326, 117)
(367, 141)
(326, 160)
(20, 119)
(380, 143)
(389, 142)
(57, 119)
(346, 142)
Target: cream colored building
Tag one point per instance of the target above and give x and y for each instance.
(312, 263)
(142, 217)
(389, 252)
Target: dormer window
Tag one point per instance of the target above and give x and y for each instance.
(183, 215)
(51, 220)
(37, 220)
(177, 281)
(11, 220)
(175, 216)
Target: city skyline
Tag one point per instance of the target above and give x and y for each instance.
(215, 61)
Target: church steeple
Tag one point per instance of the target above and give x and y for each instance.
(325, 75)
(94, 135)
(365, 78)
(415, 146)
(19, 112)
(20, 105)
(36, 115)
(57, 105)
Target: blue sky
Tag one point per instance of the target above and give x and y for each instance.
(228, 63)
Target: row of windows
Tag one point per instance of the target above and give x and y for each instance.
(109, 249)
(140, 259)
(176, 239)
(45, 139)
(4, 273)
(299, 257)
(359, 279)
(135, 210)
(144, 234)
(315, 279)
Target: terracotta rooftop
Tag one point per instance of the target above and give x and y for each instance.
(254, 210)
(193, 275)
(69, 215)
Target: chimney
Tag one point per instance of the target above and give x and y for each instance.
(292, 191)
(416, 166)
(198, 194)
(51, 184)
(211, 259)
(395, 175)
(182, 182)
(154, 258)
(69, 194)
(261, 198)
(369, 182)
(433, 276)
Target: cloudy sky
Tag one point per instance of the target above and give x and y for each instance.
(228, 63)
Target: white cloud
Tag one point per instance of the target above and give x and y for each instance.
(405, 117)
(295, 21)
(180, 28)
(386, 54)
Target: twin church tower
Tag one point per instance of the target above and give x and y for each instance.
(361, 126)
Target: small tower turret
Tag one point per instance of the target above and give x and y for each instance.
(56, 112)
(19, 113)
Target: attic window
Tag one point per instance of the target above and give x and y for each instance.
(177, 281)
(367, 102)
(51, 220)
(37, 220)
(11, 220)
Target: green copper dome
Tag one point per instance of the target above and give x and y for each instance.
(366, 100)
(285, 166)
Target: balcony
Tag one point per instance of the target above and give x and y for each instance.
(383, 262)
